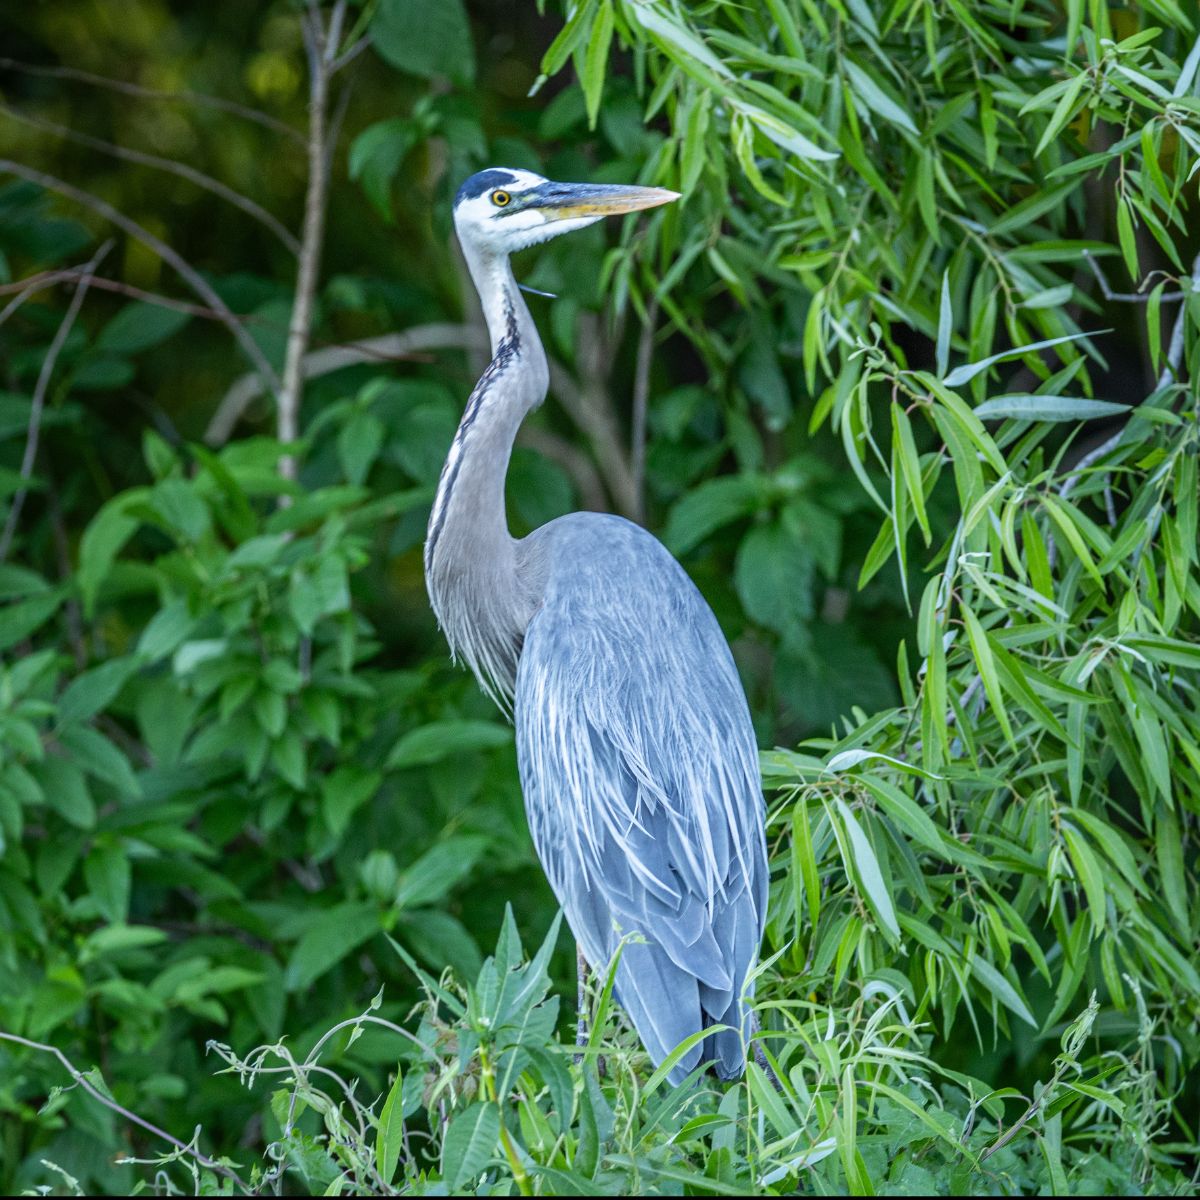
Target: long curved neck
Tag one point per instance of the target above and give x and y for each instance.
(471, 567)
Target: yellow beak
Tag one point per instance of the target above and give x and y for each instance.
(563, 201)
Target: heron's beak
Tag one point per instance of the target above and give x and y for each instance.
(563, 201)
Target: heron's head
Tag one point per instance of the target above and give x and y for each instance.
(502, 210)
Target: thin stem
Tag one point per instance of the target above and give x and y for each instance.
(641, 399)
(488, 1082)
(199, 178)
(167, 253)
(82, 1080)
(136, 89)
(33, 435)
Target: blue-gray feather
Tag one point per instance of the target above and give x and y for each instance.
(640, 772)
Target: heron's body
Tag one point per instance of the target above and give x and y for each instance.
(637, 757)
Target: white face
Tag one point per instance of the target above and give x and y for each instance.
(502, 215)
(503, 210)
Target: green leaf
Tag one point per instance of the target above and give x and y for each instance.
(1062, 111)
(67, 792)
(968, 371)
(904, 448)
(440, 740)
(469, 1144)
(982, 651)
(423, 39)
(389, 1141)
(18, 621)
(358, 444)
(100, 758)
(329, 938)
(344, 791)
(945, 328)
(1169, 846)
(140, 326)
(1024, 407)
(1087, 871)
(436, 872)
(88, 693)
(107, 874)
(773, 575)
(866, 867)
(595, 60)
(875, 98)
(166, 630)
(376, 155)
(999, 987)
(711, 506)
(1127, 240)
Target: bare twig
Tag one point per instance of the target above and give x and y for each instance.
(1138, 297)
(344, 60)
(46, 279)
(39, 401)
(29, 287)
(82, 1080)
(641, 398)
(321, 45)
(199, 178)
(168, 254)
(244, 391)
(136, 89)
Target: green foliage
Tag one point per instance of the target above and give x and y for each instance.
(939, 483)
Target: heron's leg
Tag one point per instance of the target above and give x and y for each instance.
(581, 1019)
(760, 1056)
(583, 1026)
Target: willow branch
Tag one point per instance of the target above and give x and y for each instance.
(147, 93)
(82, 1080)
(199, 178)
(29, 458)
(169, 255)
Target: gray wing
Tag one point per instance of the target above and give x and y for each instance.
(640, 772)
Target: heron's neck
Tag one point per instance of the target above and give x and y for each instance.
(471, 566)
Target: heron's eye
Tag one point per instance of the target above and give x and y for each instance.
(500, 198)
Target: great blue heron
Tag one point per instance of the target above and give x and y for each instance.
(636, 753)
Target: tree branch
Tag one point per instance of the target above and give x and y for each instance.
(320, 45)
(199, 178)
(82, 1080)
(136, 89)
(244, 391)
(169, 255)
(39, 400)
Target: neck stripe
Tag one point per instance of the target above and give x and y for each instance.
(506, 352)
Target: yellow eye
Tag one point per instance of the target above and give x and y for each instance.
(500, 198)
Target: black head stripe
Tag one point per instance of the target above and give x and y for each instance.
(483, 181)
